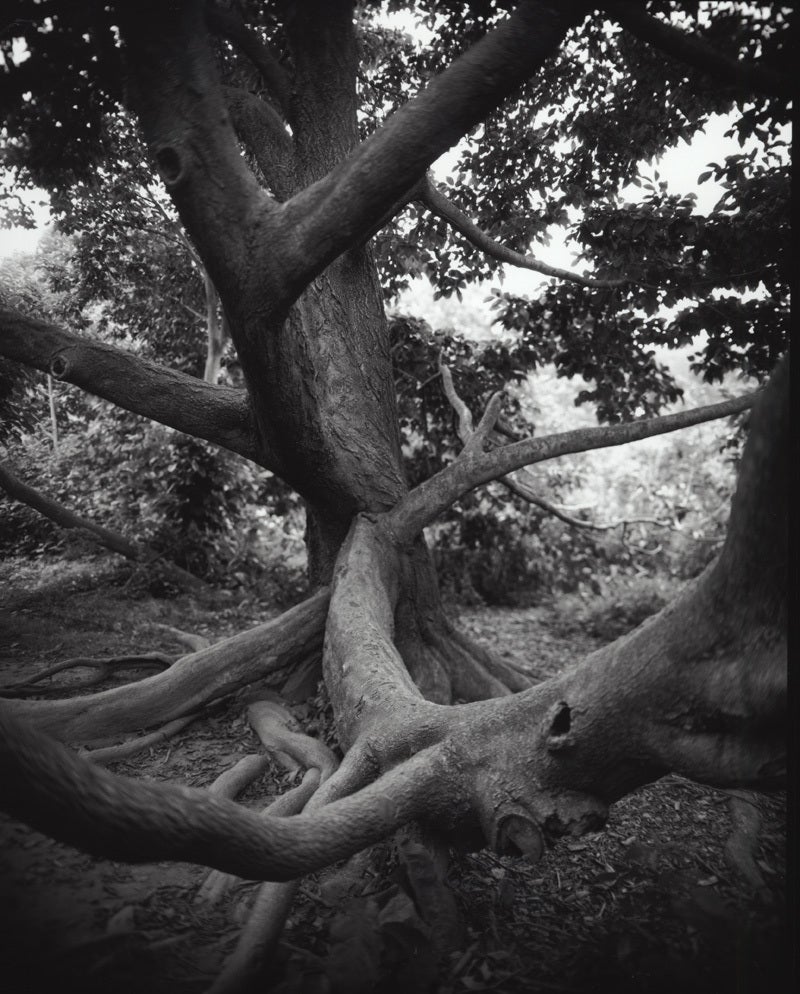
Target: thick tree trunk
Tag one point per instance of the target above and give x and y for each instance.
(321, 380)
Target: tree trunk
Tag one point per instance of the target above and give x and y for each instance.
(699, 689)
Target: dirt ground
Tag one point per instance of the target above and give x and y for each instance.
(683, 891)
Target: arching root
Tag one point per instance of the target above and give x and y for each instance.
(276, 728)
(110, 754)
(266, 651)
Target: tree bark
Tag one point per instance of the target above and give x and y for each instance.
(218, 414)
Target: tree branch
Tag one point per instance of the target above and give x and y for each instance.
(112, 540)
(262, 132)
(62, 516)
(218, 414)
(229, 23)
(521, 482)
(693, 51)
(438, 204)
(471, 469)
(342, 208)
(174, 90)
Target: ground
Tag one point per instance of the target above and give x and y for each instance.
(684, 890)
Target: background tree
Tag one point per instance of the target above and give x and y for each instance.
(256, 118)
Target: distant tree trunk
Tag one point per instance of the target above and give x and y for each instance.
(53, 419)
(215, 329)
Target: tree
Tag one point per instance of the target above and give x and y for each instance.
(257, 119)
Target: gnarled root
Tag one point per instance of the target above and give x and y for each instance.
(267, 651)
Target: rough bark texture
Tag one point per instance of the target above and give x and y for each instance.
(699, 689)
(218, 414)
(263, 652)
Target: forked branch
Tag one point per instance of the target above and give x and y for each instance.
(472, 469)
(521, 482)
(343, 208)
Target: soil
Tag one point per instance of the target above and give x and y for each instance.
(683, 890)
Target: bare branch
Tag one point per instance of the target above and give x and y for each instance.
(216, 413)
(229, 23)
(693, 51)
(438, 204)
(470, 469)
(463, 413)
(521, 482)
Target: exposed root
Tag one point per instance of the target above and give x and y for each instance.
(743, 841)
(268, 650)
(470, 680)
(276, 727)
(217, 884)
(105, 665)
(270, 907)
(500, 669)
(230, 783)
(273, 725)
(110, 754)
(303, 680)
(189, 639)
(233, 781)
(139, 821)
(426, 668)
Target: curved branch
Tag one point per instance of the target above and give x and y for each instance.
(472, 469)
(693, 51)
(218, 414)
(229, 23)
(438, 204)
(52, 789)
(262, 132)
(520, 483)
